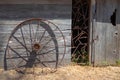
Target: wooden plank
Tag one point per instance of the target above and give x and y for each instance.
(92, 21)
(35, 2)
(25, 11)
(63, 24)
(56, 21)
(118, 27)
(98, 36)
(110, 44)
(7, 27)
(103, 34)
(99, 41)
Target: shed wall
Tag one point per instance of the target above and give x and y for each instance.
(105, 35)
(12, 14)
(36, 2)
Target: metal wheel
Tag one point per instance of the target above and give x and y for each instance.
(34, 42)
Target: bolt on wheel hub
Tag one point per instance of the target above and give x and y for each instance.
(36, 46)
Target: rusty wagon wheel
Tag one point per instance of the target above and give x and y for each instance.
(34, 42)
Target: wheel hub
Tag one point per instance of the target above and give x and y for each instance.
(36, 46)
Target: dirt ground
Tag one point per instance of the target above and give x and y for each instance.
(72, 72)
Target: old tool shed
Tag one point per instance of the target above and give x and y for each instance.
(100, 20)
(13, 12)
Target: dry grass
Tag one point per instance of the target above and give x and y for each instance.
(73, 72)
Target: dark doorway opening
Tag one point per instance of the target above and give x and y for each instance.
(113, 18)
(80, 30)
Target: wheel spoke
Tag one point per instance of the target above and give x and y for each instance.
(29, 56)
(20, 62)
(45, 62)
(50, 56)
(17, 53)
(42, 36)
(17, 57)
(36, 31)
(46, 43)
(20, 43)
(23, 39)
(22, 35)
(41, 62)
(33, 33)
(49, 61)
(30, 36)
(21, 66)
(46, 52)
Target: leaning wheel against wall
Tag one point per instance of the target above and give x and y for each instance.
(34, 43)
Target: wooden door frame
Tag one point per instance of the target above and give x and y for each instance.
(91, 26)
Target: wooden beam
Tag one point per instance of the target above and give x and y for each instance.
(35, 1)
(92, 20)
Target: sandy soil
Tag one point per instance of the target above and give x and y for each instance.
(72, 72)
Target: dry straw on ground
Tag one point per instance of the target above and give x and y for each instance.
(72, 72)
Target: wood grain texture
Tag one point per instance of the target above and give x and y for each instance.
(92, 21)
(10, 17)
(104, 37)
(118, 28)
(36, 2)
(24, 11)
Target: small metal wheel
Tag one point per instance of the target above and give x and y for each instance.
(34, 43)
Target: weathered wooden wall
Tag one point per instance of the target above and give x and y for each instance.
(12, 14)
(36, 2)
(105, 36)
